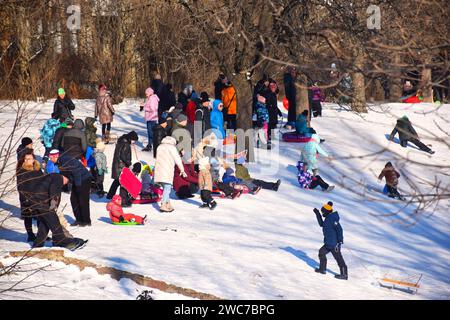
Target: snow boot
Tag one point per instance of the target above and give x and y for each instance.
(165, 207)
(256, 190)
(31, 237)
(107, 135)
(212, 205)
(147, 148)
(343, 275)
(203, 205)
(277, 185)
(330, 188)
(320, 271)
(169, 205)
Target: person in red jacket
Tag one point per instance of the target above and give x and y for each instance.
(185, 187)
(116, 212)
(190, 109)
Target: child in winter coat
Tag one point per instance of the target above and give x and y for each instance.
(333, 239)
(100, 169)
(309, 181)
(317, 98)
(47, 134)
(149, 188)
(229, 178)
(116, 212)
(310, 153)
(205, 184)
(151, 115)
(243, 174)
(51, 166)
(391, 175)
(301, 125)
(262, 121)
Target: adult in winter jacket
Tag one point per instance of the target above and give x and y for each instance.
(122, 159)
(229, 99)
(290, 90)
(151, 115)
(185, 187)
(74, 141)
(167, 99)
(166, 158)
(407, 134)
(216, 119)
(104, 111)
(59, 134)
(80, 178)
(310, 153)
(260, 88)
(391, 176)
(47, 133)
(63, 107)
(160, 131)
(157, 85)
(309, 181)
(26, 144)
(333, 239)
(218, 86)
(271, 96)
(190, 109)
(203, 114)
(28, 171)
(90, 132)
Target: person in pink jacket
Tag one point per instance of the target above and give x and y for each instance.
(150, 108)
(116, 212)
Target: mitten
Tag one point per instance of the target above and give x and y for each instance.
(121, 219)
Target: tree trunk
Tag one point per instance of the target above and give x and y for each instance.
(302, 100)
(425, 85)
(23, 58)
(358, 85)
(396, 81)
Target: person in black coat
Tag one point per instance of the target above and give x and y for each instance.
(74, 141)
(28, 170)
(157, 85)
(26, 144)
(80, 178)
(218, 87)
(59, 134)
(333, 239)
(203, 116)
(63, 107)
(160, 131)
(271, 96)
(290, 90)
(167, 99)
(122, 159)
(407, 133)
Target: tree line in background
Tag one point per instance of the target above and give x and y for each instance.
(124, 43)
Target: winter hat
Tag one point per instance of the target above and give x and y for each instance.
(61, 91)
(203, 162)
(137, 167)
(100, 146)
(327, 208)
(204, 96)
(181, 118)
(132, 136)
(149, 91)
(54, 152)
(240, 160)
(26, 141)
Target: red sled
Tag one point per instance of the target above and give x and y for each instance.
(413, 99)
(130, 182)
(294, 137)
(144, 200)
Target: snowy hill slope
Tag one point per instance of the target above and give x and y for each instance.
(265, 246)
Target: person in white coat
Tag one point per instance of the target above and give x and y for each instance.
(167, 157)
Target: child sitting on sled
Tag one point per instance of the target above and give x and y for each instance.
(118, 217)
(149, 188)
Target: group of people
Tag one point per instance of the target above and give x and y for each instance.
(74, 160)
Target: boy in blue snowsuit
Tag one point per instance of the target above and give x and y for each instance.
(333, 239)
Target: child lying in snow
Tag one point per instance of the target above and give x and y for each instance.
(116, 212)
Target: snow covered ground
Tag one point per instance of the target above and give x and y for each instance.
(265, 246)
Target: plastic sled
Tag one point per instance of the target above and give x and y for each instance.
(126, 223)
(294, 137)
(143, 200)
(130, 182)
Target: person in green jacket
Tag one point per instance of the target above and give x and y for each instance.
(243, 174)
